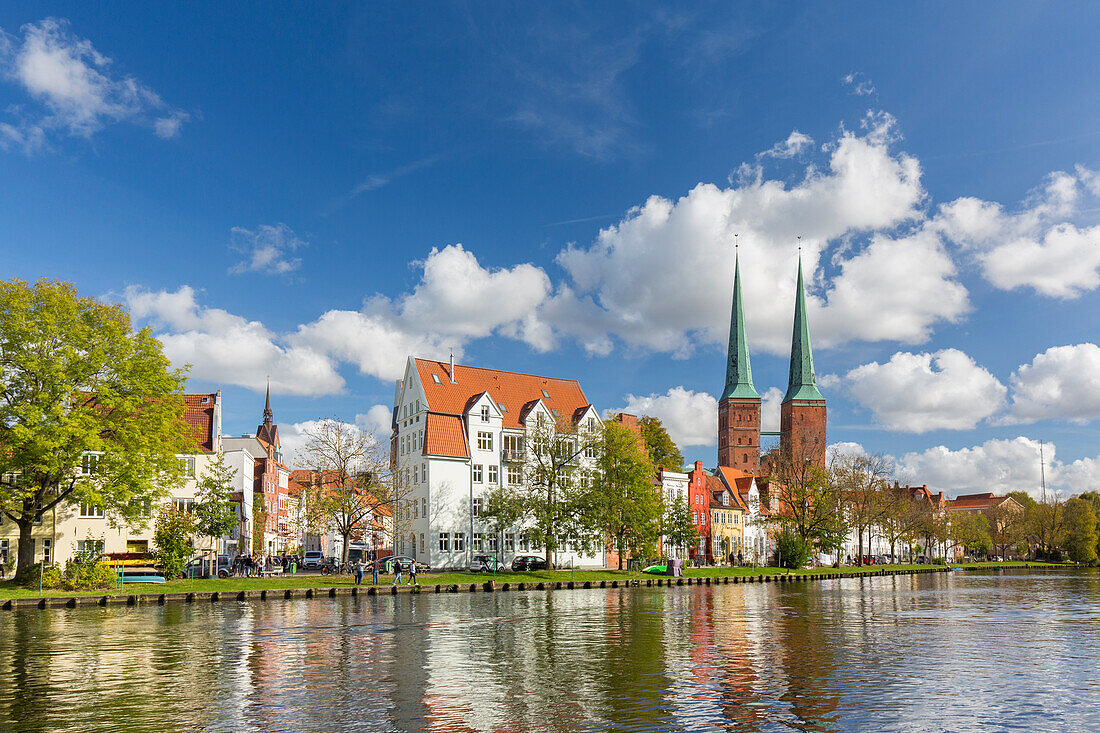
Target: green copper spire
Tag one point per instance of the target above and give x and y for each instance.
(801, 385)
(738, 370)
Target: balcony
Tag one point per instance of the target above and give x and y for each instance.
(509, 455)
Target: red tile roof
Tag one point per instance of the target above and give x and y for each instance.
(976, 501)
(511, 390)
(199, 417)
(445, 435)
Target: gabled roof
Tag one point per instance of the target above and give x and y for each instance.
(445, 435)
(511, 391)
(977, 501)
(199, 417)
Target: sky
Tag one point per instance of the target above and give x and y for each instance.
(311, 194)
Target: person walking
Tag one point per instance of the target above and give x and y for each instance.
(359, 572)
(397, 572)
(412, 572)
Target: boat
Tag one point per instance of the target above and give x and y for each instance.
(656, 570)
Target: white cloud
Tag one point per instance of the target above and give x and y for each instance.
(860, 84)
(377, 421)
(76, 90)
(1037, 246)
(844, 448)
(228, 349)
(771, 404)
(266, 250)
(944, 390)
(631, 281)
(1062, 382)
(690, 417)
(795, 143)
(293, 437)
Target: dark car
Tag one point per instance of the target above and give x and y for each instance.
(529, 562)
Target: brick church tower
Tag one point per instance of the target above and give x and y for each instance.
(802, 415)
(739, 405)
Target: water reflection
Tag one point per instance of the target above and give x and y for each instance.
(953, 652)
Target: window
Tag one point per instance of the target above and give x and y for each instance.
(513, 443)
(416, 474)
(444, 541)
(484, 413)
(493, 474)
(184, 506)
(509, 543)
(484, 441)
(416, 509)
(89, 464)
(424, 507)
(422, 542)
(477, 507)
(524, 543)
(502, 407)
(546, 394)
(492, 543)
(590, 450)
(83, 546)
(478, 470)
(479, 540)
(460, 542)
(515, 475)
(424, 472)
(88, 511)
(188, 464)
(435, 378)
(47, 550)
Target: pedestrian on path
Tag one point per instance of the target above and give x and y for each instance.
(412, 572)
(374, 566)
(397, 572)
(359, 572)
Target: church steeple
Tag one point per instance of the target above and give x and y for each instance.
(801, 383)
(267, 405)
(738, 369)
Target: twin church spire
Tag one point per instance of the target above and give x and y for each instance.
(802, 414)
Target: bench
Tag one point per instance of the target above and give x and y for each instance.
(269, 572)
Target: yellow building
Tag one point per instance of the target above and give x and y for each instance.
(727, 519)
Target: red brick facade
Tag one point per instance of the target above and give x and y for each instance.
(739, 434)
(802, 424)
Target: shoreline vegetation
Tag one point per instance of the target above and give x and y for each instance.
(311, 585)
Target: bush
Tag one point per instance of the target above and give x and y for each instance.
(50, 577)
(86, 572)
(793, 551)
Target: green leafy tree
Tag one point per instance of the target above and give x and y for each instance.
(807, 502)
(623, 503)
(259, 522)
(678, 526)
(970, 531)
(1079, 530)
(90, 411)
(1093, 498)
(663, 451)
(215, 513)
(504, 509)
(172, 540)
(1027, 519)
(1045, 525)
(792, 550)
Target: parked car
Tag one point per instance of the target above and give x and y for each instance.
(200, 566)
(313, 560)
(385, 565)
(486, 564)
(529, 562)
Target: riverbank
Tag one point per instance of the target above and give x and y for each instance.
(320, 586)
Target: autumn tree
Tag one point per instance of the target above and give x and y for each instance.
(90, 410)
(862, 481)
(352, 480)
(903, 518)
(663, 451)
(808, 503)
(623, 503)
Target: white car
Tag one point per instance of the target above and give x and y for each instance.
(486, 564)
(313, 560)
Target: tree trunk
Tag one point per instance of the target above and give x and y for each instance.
(26, 547)
(859, 557)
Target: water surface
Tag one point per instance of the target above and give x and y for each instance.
(952, 652)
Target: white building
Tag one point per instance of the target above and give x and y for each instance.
(458, 431)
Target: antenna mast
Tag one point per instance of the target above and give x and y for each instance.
(1042, 472)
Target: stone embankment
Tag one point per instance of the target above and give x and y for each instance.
(490, 586)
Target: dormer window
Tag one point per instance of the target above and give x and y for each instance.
(435, 378)
(205, 400)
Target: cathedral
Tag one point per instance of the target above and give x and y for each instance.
(802, 415)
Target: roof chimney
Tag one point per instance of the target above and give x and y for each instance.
(453, 368)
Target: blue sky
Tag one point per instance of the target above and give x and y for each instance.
(313, 193)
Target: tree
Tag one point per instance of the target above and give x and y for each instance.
(808, 503)
(1006, 527)
(663, 452)
(554, 491)
(1094, 499)
(259, 522)
(623, 502)
(90, 411)
(1045, 525)
(678, 526)
(970, 530)
(1079, 530)
(1027, 519)
(172, 540)
(352, 481)
(792, 550)
(215, 513)
(504, 508)
(903, 518)
(862, 480)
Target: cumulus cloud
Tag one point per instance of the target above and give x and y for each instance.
(1062, 382)
(377, 421)
(294, 436)
(795, 143)
(944, 390)
(266, 250)
(995, 465)
(770, 409)
(1038, 246)
(73, 88)
(630, 280)
(225, 348)
(690, 417)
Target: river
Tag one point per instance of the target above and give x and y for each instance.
(1014, 650)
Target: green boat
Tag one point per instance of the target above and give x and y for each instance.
(656, 570)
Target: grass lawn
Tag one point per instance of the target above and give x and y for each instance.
(302, 580)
